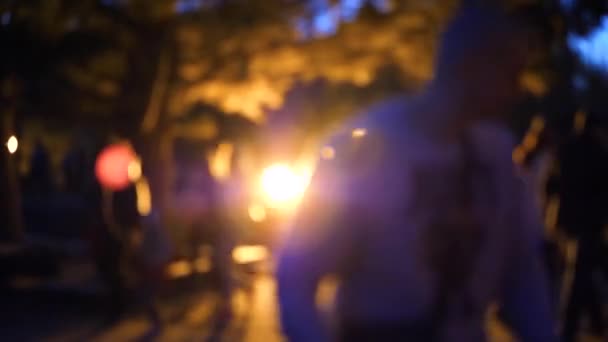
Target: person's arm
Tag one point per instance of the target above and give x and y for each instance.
(526, 305)
(318, 243)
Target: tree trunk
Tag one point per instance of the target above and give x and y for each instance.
(139, 106)
(138, 84)
(154, 133)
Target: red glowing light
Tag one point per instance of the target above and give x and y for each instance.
(112, 166)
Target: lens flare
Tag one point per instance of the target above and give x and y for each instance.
(281, 184)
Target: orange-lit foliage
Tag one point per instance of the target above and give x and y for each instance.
(247, 69)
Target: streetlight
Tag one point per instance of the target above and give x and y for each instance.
(281, 184)
(12, 144)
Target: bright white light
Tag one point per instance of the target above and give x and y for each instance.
(12, 144)
(282, 184)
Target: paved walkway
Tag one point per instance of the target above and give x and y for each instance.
(188, 318)
(192, 318)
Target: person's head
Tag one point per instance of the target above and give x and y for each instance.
(481, 57)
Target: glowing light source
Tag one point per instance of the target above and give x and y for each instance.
(12, 144)
(179, 269)
(257, 212)
(249, 254)
(144, 198)
(134, 170)
(220, 161)
(113, 164)
(184, 268)
(359, 132)
(281, 184)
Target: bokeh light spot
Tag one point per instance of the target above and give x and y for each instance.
(359, 133)
(12, 144)
(112, 166)
(328, 153)
(257, 212)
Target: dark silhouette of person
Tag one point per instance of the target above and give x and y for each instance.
(583, 215)
(74, 168)
(40, 177)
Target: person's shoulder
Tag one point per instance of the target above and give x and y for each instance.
(366, 133)
(378, 119)
(383, 115)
